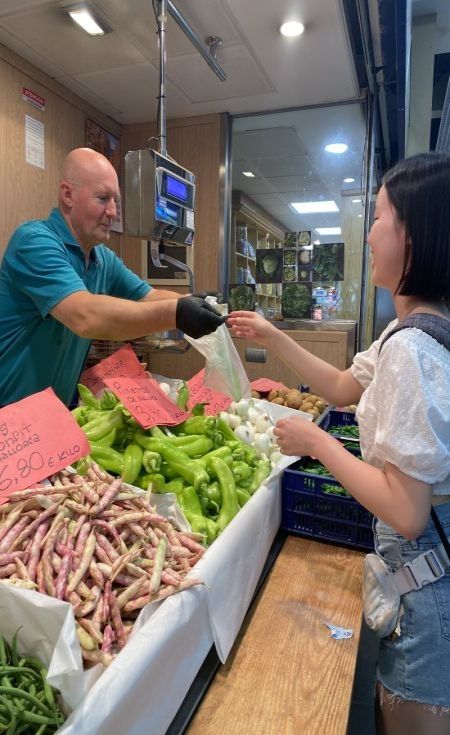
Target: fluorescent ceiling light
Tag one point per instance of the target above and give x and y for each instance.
(336, 147)
(292, 28)
(356, 201)
(328, 230)
(349, 180)
(313, 207)
(84, 18)
(249, 174)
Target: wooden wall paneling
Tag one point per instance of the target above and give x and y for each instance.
(197, 144)
(28, 192)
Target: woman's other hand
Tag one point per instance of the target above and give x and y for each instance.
(297, 437)
(252, 326)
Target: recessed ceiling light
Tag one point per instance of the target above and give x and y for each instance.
(348, 180)
(292, 28)
(336, 147)
(316, 242)
(328, 230)
(359, 215)
(249, 174)
(85, 19)
(356, 201)
(313, 207)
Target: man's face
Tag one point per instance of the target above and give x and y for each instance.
(93, 206)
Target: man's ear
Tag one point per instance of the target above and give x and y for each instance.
(66, 193)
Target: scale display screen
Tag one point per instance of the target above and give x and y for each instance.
(177, 188)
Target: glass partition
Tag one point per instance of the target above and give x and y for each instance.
(297, 223)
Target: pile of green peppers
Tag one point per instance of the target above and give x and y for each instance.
(212, 473)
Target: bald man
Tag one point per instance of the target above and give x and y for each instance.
(61, 287)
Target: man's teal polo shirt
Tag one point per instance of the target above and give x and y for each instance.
(43, 264)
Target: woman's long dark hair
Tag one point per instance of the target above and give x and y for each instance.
(419, 190)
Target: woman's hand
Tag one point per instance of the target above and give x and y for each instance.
(252, 326)
(298, 437)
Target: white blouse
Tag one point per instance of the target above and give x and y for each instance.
(404, 412)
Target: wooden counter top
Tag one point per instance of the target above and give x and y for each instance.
(285, 674)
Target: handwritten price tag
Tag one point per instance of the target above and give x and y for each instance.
(264, 385)
(122, 363)
(146, 401)
(200, 393)
(38, 437)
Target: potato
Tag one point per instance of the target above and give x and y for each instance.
(256, 394)
(306, 405)
(294, 399)
(272, 394)
(283, 392)
(320, 405)
(279, 400)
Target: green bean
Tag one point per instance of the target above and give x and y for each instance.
(22, 694)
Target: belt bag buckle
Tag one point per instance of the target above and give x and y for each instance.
(423, 570)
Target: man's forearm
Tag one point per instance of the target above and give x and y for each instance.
(106, 317)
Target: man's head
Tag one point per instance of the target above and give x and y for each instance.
(88, 194)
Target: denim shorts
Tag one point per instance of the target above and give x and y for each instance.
(416, 664)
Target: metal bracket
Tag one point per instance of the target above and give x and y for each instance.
(158, 254)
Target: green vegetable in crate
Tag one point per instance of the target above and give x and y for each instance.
(335, 490)
(108, 440)
(81, 414)
(230, 505)
(223, 452)
(174, 486)
(212, 496)
(27, 702)
(243, 495)
(108, 401)
(132, 462)
(193, 445)
(242, 471)
(151, 461)
(351, 430)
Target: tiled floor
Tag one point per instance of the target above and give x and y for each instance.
(361, 719)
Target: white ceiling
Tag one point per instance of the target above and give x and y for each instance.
(118, 72)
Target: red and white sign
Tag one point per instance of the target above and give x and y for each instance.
(34, 99)
(200, 393)
(146, 401)
(122, 363)
(264, 385)
(38, 437)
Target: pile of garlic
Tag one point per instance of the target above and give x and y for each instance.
(252, 425)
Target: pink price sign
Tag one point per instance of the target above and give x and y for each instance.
(264, 385)
(122, 363)
(146, 401)
(38, 437)
(200, 393)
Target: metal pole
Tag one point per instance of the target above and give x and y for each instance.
(368, 185)
(162, 20)
(195, 40)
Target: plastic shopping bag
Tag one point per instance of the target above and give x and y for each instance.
(224, 369)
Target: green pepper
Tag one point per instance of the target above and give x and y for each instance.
(183, 397)
(108, 401)
(198, 409)
(262, 471)
(81, 415)
(132, 462)
(87, 397)
(168, 471)
(177, 460)
(156, 432)
(190, 505)
(243, 495)
(211, 499)
(241, 471)
(196, 425)
(230, 504)
(108, 440)
(226, 430)
(108, 458)
(175, 486)
(151, 461)
(189, 502)
(99, 427)
(222, 452)
(153, 482)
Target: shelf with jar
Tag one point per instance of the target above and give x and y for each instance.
(253, 229)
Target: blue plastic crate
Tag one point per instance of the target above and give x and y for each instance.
(308, 510)
(336, 417)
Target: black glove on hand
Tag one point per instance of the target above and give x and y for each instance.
(196, 317)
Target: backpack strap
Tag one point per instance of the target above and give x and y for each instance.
(436, 326)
